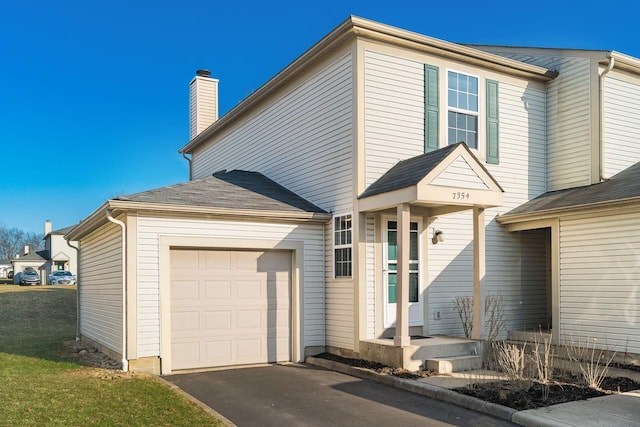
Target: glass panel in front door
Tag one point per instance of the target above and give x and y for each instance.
(392, 261)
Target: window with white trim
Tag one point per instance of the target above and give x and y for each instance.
(342, 246)
(462, 109)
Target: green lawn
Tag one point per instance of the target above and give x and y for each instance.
(40, 386)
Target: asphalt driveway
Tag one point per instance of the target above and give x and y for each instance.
(301, 395)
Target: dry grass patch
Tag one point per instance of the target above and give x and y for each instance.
(43, 385)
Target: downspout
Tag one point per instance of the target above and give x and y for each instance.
(601, 118)
(188, 160)
(78, 288)
(125, 361)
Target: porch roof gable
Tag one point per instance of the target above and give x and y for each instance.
(451, 176)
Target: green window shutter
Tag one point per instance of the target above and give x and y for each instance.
(431, 104)
(492, 123)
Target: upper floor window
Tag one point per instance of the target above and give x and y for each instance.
(342, 245)
(462, 109)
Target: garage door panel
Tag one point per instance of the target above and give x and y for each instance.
(185, 321)
(185, 260)
(185, 289)
(218, 320)
(216, 260)
(250, 319)
(217, 289)
(182, 352)
(231, 308)
(250, 290)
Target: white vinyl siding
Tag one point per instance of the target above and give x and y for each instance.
(100, 287)
(303, 139)
(371, 276)
(151, 228)
(599, 275)
(340, 302)
(394, 112)
(621, 124)
(569, 119)
(521, 173)
(460, 171)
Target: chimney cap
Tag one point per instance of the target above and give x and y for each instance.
(203, 73)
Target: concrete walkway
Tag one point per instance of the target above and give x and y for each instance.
(618, 410)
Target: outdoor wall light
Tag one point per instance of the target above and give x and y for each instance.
(438, 236)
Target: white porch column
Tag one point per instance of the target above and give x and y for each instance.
(402, 339)
(479, 270)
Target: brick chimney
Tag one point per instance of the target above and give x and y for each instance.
(203, 102)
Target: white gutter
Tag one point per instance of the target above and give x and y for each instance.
(125, 361)
(612, 62)
(77, 288)
(188, 159)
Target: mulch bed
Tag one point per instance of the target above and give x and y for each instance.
(519, 395)
(377, 367)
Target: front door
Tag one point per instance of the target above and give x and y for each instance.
(390, 273)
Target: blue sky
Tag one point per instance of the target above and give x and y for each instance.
(94, 95)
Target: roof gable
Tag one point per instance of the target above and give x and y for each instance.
(451, 175)
(460, 173)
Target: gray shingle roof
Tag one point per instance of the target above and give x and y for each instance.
(63, 231)
(235, 189)
(408, 172)
(42, 255)
(624, 185)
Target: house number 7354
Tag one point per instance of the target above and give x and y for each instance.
(460, 195)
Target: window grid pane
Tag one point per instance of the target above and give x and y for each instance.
(462, 96)
(342, 238)
(463, 127)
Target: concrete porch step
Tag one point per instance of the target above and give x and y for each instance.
(448, 365)
(432, 349)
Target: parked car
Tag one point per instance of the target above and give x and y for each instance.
(29, 277)
(61, 277)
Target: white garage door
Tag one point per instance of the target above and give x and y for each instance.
(229, 307)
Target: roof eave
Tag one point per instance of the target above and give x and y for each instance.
(381, 32)
(359, 27)
(99, 218)
(623, 62)
(547, 213)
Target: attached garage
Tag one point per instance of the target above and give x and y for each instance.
(221, 271)
(230, 307)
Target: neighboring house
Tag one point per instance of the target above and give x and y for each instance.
(30, 260)
(61, 256)
(56, 255)
(365, 186)
(5, 267)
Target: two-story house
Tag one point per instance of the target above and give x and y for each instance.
(61, 255)
(346, 203)
(56, 255)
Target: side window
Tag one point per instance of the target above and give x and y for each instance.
(462, 109)
(342, 246)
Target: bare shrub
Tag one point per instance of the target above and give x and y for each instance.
(463, 305)
(510, 359)
(543, 364)
(593, 363)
